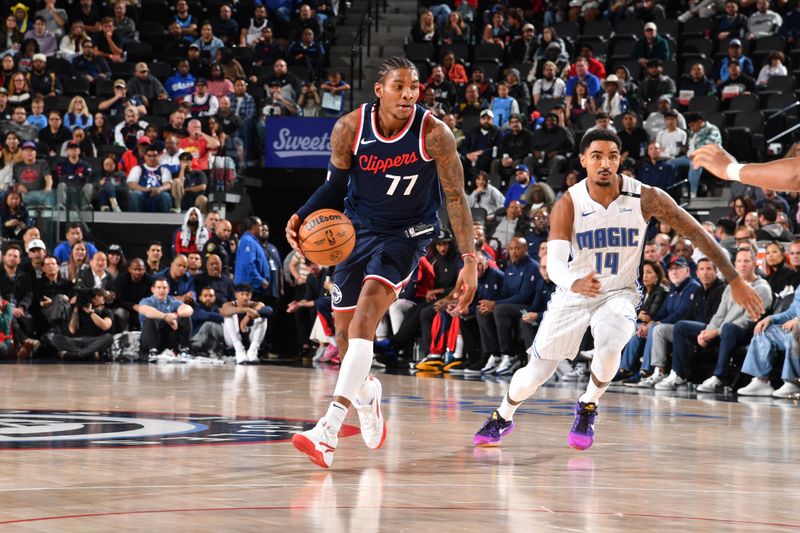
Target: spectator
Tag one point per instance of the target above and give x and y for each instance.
(16, 287)
(511, 225)
(633, 137)
(486, 195)
(671, 140)
(772, 333)
(654, 171)
(131, 159)
(734, 56)
(551, 145)
(192, 236)
(225, 27)
(266, 51)
(18, 123)
(701, 133)
(145, 86)
(478, 148)
(48, 44)
(42, 81)
(130, 288)
(656, 121)
(130, 131)
(124, 26)
(791, 25)
(206, 324)
(72, 43)
(37, 117)
(307, 52)
(188, 186)
(187, 23)
(770, 231)
(602, 121)
(5, 110)
(730, 324)
(252, 265)
(11, 37)
(696, 84)
(218, 84)
(73, 177)
(12, 153)
(51, 294)
(514, 147)
(653, 46)
(794, 258)
(334, 90)
(117, 263)
(245, 316)
(203, 103)
(538, 231)
(19, 93)
(731, 23)
(74, 235)
(215, 278)
(165, 322)
(250, 35)
(33, 179)
(198, 144)
(176, 126)
(108, 43)
(219, 244)
(773, 67)
(518, 91)
(119, 102)
(582, 74)
(425, 31)
(498, 320)
(89, 328)
(309, 101)
(181, 283)
(275, 290)
(579, 103)
(170, 156)
(24, 58)
(76, 263)
(456, 30)
(771, 197)
(306, 20)
(763, 22)
(737, 83)
(14, 216)
(97, 277)
(549, 85)
(779, 276)
(181, 84)
(517, 190)
(90, 66)
(612, 101)
(149, 185)
(87, 12)
(655, 85)
(208, 42)
(77, 115)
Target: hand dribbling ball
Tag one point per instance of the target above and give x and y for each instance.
(327, 237)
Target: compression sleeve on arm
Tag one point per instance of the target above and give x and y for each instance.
(329, 193)
(557, 259)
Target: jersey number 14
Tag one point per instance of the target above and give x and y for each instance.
(609, 262)
(396, 182)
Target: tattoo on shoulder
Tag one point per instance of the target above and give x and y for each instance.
(342, 137)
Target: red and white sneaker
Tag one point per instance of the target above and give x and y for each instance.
(373, 425)
(317, 443)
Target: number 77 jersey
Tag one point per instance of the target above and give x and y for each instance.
(393, 183)
(608, 240)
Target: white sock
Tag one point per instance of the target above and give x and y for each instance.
(458, 353)
(506, 409)
(355, 368)
(593, 392)
(335, 416)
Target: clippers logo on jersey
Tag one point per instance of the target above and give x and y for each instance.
(81, 429)
(377, 165)
(607, 238)
(336, 294)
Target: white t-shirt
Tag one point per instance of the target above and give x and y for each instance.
(671, 142)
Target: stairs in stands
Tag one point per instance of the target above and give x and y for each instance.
(394, 25)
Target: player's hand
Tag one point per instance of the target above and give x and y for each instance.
(762, 325)
(744, 295)
(466, 285)
(292, 227)
(713, 158)
(588, 285)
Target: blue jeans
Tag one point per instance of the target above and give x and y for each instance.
(46, 198)
(685, 332)
(632, 352)
(140, 202)
(763, 349)
(694, 173)
(730, 337)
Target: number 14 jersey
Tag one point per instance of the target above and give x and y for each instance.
(393, 182)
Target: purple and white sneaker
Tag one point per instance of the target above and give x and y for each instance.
(581, 436)
(493, 431)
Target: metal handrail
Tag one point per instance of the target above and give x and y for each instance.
(363, 32)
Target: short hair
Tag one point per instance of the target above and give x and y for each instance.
(156, 279)
(12, 247)
(727, 226)
(706, 260)
(206, 288)
(154, 243)
(671, 114)
(691, 116)
(599, 135)
(748, 248)
(602, 115)
(243, 287)
(249, 222)
(74, 225)
(769, 213)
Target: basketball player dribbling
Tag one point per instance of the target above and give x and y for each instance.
(391, 161)
(600, 223)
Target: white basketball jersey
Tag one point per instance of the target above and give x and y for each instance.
(609, 241)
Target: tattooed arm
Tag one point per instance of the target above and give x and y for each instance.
(441, 146)
(335, 186)
(658, 204)
(781, 174)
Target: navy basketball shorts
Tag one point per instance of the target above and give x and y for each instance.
(388, 259)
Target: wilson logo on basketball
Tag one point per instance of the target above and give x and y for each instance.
(311, 224)
(376, 165)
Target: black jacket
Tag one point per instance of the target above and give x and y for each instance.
(704, 302)
(18, 290)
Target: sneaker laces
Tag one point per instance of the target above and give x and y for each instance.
(371, 422)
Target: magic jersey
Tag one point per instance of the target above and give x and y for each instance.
(608, 240)
(393, 182)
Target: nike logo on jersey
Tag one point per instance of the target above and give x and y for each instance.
(586, 214)
(625, 210)
(363, 142)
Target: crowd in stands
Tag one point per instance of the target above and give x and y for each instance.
(88, 84)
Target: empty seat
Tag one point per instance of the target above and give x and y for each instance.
(630, 27)
(597, 27)
(704, 104)
(698, 46)
(488, 52)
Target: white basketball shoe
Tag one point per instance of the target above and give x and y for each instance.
(318, 443)
(373, 425)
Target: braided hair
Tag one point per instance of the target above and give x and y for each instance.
(394, 63)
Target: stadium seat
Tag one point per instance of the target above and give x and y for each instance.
(419, 51)
(567, 30)
(598, 44)
(59, 66)
(122, 70)
(753, 120)
(155, 11)
(488, 52)
(704, 104)
(460, 50)
(161, 70)
(632, 65)
(622, 47)
(769, 43)
(104, 88)
(697, 46)
(715, 118)
(744, 102)
(490, 68)
(75, 86)
(668, 27)
(600, 27)
(697, 27)
(164, 108)
(547, 104)
(632, 27)
(136, 52)
(742, 145)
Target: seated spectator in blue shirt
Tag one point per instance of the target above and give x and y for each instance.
(181, 83)
(166, 323)
(74, 234)
(181, 283)
(517, 189)
(654, 171)
(213, 277)
(534, 314)
(582, 74)
(206, 325)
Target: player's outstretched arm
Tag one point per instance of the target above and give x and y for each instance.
(335, 186)
(658, 204)
(781, 174)
(441, 146)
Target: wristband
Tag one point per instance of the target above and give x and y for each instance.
(732, 170)
(468, 254)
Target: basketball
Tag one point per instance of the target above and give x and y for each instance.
(327, 237)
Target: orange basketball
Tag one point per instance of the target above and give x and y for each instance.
(327, 237)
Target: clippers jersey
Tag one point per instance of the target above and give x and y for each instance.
(609, 241)
(393, 182)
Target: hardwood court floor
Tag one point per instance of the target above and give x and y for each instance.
(660, 463)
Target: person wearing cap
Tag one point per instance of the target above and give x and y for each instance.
(652, 46)
(33, 179)
(523, 47)
(612, 101)
(33, 262)
(734, 55)
(48, 44)
(188, 186)
(737, 83)
(764, 22)
(149, 185)
(146, 86)
(203, 103)
(41, 80)
(513, 148)
(116, 104)
(479, 143)
(128, 132)
(108, 43)
(182, 83)
(88, 65)
(655, 84)
(731, 324)
(516, 191)
(551, 144)
(73, 177)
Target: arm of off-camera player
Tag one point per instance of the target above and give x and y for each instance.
(441, 146)
(559, 243)
(658, 204)
(334, 189)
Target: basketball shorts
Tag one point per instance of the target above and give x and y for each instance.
(388, 259)
(569, 314)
